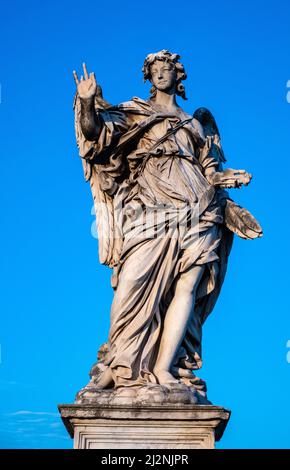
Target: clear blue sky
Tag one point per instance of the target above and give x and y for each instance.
(55, 297)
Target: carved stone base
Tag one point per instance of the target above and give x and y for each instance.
(137, 426)
(142, 395)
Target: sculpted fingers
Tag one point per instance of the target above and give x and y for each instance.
(76, 77)
(86, 75)
(93, 77)
(86, 84)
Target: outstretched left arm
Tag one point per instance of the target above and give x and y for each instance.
(211, 155)
(228, 178)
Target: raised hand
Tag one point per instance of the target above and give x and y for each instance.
(87, 85)
(230, 178)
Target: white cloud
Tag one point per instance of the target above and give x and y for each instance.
(34, 413)
(55, 425)
(14, 383)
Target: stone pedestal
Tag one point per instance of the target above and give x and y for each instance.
(155, 426)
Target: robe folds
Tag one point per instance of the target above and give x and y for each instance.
(166, 219)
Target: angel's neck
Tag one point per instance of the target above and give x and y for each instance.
(166, 100)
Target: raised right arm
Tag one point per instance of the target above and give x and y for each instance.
(90, 123)
(87, 89)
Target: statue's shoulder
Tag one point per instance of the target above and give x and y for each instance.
(126, 104)
(137, 105)
(194, 124)
(197, 125)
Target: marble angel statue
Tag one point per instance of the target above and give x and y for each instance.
(165, 224)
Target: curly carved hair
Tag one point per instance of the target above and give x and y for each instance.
(173, 59)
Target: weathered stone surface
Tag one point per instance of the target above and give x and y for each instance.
(165, 225)
(145, 395)
(166, 426)
(164, 222)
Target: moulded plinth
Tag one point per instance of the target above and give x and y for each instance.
(170, 426)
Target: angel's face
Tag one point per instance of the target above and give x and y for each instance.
(163, 76)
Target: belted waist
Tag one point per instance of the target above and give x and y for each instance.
(138, 159)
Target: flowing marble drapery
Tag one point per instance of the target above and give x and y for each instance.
(149, 187)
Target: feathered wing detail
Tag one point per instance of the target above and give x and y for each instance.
(104, 210)
(103, 202)
(236, 221)
(236, 218)
(212, 135)
(241, 221)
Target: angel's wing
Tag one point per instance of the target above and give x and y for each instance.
(237, 219)
(103, 203)
(212, 135)
(241, 221)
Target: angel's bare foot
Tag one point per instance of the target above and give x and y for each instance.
(164, 377)
(180, 372)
